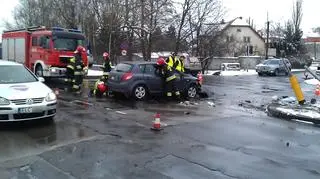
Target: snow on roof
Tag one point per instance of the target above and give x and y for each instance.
(310, 34)
(240, 22)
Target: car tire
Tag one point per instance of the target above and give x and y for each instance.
(140, 92)
(276, 72)
(39, 71)
(259, 74)
(191, 91)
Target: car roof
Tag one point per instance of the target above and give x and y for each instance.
(138, 62)
(9, 63)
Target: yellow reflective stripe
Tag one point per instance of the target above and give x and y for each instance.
(105, 73)
(79, 67)
(73, 60)
(169, 94)
(75, 86)
(70, 66)
(170, 63)
(171, 78)
(78, 73)
(177, 93)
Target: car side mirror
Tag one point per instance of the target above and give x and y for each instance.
(41, 79)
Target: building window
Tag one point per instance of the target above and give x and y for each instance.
(229, 38)
(34, 41)
(238, 30)
(247, 39)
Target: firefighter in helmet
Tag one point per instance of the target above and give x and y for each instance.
(98, 87)
(106, 66)
(78, 69)
(169, 77)
(69, 80)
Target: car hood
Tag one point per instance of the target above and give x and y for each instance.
(24, 90)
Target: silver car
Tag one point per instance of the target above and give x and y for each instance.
(274, 67)
(24, 96)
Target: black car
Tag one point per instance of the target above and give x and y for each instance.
(140, 79)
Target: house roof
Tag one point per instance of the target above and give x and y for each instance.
(222, 27)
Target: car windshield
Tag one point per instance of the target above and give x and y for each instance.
(15, 74)
(123, 67)
(233, 66)
(69, 44)
(272, 62)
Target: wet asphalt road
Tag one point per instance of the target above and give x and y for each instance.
(111, 138)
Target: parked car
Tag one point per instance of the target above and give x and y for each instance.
(274, 67)
(140, 79)
(24, 96)
(230, 67)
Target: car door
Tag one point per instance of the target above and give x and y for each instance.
(153, 79)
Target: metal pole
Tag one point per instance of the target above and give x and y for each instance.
(267, 46)
(315, 50)
(110, 36)
(314, 75)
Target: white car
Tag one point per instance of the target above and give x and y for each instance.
(24, 96)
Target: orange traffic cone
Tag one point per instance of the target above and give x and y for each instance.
(317, 91)
(156, 123)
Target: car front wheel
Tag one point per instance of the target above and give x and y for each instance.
(276, 72)
(192, 91)
(140, 92)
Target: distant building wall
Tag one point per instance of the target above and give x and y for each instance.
(246, 62)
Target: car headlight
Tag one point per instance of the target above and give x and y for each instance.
(4, 101)
(51, 97)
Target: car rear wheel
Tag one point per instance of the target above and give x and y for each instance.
(192, 91)
(140, 92)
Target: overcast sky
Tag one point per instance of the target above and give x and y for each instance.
(279, 11)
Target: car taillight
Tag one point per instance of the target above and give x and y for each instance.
(127, 76)
(200, 78)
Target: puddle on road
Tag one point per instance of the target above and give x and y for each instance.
(21, 139)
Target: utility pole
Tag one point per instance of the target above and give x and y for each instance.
(315, 50)
(267, 45)
(110, 36)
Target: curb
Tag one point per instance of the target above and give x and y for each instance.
(272, 110)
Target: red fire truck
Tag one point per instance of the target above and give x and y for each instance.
(43, 50)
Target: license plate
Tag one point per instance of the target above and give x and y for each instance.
(25, 110)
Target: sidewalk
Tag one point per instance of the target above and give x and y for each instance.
(289, 109)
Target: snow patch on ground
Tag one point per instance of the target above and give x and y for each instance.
(94, 73)
(298, 70)
(312, 81)
(302, 112)
(230, 73)
(239, 73)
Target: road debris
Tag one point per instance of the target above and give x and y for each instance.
(211, 104)
(120, 112)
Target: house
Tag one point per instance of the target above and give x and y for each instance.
(312, 44)
(238, 39)
(247, 41)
